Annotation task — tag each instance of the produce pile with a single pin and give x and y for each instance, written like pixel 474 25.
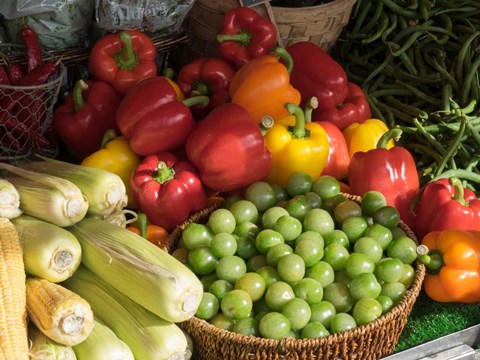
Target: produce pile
pixel 326 190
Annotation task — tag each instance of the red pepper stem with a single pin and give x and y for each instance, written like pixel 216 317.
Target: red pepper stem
pixel 431 259
pixel 142 224
pixel 164 173
pixel 459 191
pixel 200 88
pixel 298 130
pixel 311 105
pixel 243 38
pixel 196 100
pixel 78 89
pixel 284 55
pixel 392 134
pixel 110 134
pixel 168 73
pixel 126 58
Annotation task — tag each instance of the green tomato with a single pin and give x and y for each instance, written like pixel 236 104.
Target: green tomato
pixel 370 247
pixel 276 252
pixel 269 274
pixel 372 201
pixel 365 285
pixel 389 270
pixel 339 295
pixel 274 325
pixel 236 304
pixel 336 255
pixel 298 206
pixel 358 263
pixel 196 235
pixel 223 244
pixel 366 310
pixel 261 194
pixel 331 203
pixel 381 234
pixel 322 272
pixel 394 290
pixel 314 330
pixel 355 227
pixel 222 322
pixel 387 216
pixel 323 313
pixel 267 238
pixel 318 220
pixel 202 260
pixel 337 236
pixel 256 262
pixel 231 268
pixel 281 193
pixel 221 221
pixel 309 290
pixel 209 306
pixel 346 209
pixel 246 326
pixel 299 183
pixel 289 226
pixel 278 294
pixel 220 287
pixel 403 248
pixel 291 268
pixel 315 199
pixel 246 248
pixel 271 215
pixel 385 302
pixel 253 284
pixel 310 235
pixel 326 186
pixel 244 210
pixel 298 313
pixel 311 251
pixel 342 322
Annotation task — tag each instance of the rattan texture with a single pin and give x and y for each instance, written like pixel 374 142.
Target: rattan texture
pixel 320 24
pixel 367 342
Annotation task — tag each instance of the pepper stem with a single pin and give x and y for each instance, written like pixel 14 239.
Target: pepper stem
pixel 311 105
pixel 164 173
pixel 126 58
pixel 243 38
pixel 110 134
pixel 298 130
pixel 78 89
pixel 142 224
pixel 284 55
pixel 202 100
pixel 459 190
pixel 200 88
pixel 266 123
pixel 168 73
pixel 392 134
pixel 431 259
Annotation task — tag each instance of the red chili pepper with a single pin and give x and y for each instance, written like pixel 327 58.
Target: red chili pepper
pixel 15 73
pixel 153 120
pixel 4 79
pixel 87 113
pixel 40 75
pixel 245 34
pixel 392 172
pixel 206 76
pixel 228 149
pixel 123 59
pixel 167 190
pixel 446 205
pixel 354 109
pixel 32 47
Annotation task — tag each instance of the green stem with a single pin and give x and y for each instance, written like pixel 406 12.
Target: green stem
pixel 392 134
pixel 311 105
pixel 126 58
pixel 266 123
pixel 164 173
pixel 168 73
pixel 243 37
pixel 298 130
pixel 78 89
pixel 142 224
pixel 431 259
pixel 284 55
pixel 459 191
pixel 196 100
pixel 110 134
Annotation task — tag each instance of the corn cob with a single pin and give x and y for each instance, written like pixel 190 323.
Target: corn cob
pixel 59 313
pixel 9 200
pixel 13 315
pixel 44 348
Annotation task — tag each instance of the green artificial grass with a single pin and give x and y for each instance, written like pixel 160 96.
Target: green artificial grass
pixel 430 320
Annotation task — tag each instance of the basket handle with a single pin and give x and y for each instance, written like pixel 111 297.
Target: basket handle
pixel 268 9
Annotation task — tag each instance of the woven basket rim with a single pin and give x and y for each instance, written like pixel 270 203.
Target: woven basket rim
pixel 401 310
pixel 331 4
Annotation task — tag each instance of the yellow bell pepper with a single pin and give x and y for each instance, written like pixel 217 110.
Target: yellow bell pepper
pixel 296 145
pixel 115 156
pixel 364 136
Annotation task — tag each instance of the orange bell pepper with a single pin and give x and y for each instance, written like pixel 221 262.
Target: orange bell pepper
pixel 452 259
pixel 262 86
pixel 156 234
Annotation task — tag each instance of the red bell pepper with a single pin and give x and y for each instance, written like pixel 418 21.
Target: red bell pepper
pixel 86 115
pixel 446 205
pixel 244 35
pixel 167 190
pixel 354 109
pixel 338 156
pixel 228 149
pixel 153 120
pixel 122 59
pixel 206 76
pixel 316 74
pixel 392 172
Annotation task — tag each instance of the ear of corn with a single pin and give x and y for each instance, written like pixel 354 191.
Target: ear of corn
pixel 49 251
pixel 147 274
pixel 101 344
pixel 13 315
pixel 148 336
pixel 59 313
pixel 46 197
pixel 44 348
pixel 9 200
pixel 105 191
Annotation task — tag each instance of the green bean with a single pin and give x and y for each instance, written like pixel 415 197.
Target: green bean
pixel 423 8
pixel 438 146
pixel 425 150
pixel 391 91
pixel 397 112
pixel 409 109
pixel 461 56
pixel 374 17
pixel 459 173
pixel 365 8
pixel 453 147
pixel 446 95
pixel 469 78
pixel 379 68
pixel 393 25
pixel 432 61
pixel 381 29
pixel 448 25
pixel 420 94
pixel 412 14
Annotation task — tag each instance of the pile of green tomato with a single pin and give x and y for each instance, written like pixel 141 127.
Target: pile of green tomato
pixel 302 261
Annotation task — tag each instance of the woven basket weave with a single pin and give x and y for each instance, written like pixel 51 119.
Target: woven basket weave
pixel 320 24
pixel 367 342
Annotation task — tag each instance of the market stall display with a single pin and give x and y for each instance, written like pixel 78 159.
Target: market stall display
pixel 284 196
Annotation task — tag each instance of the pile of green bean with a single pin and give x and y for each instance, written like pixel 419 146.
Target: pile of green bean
pixel 418 62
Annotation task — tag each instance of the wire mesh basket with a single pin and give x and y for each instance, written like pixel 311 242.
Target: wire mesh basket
pixel 26 113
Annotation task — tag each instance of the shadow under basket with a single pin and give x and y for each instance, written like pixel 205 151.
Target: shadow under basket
pixel 367 342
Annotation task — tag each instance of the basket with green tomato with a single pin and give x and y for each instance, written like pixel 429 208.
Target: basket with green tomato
pixel 303 271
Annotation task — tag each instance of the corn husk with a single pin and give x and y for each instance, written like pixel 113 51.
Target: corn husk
pixel 9 200
pixel 44 348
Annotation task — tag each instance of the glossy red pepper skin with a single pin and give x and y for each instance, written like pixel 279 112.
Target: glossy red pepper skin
pixel 122 59
pixel 228 149
pixel 338 156
pixel 208 76
pixel 392 172
pixel 152 118
pixel 167 190
pixel 354 109
pixel 316 74
pixel 439 209
pixel 32 48
pixel 256 35
pixel 87 113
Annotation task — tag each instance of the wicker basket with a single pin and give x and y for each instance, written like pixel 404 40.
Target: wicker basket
pixel 320 24
pixel 368 342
